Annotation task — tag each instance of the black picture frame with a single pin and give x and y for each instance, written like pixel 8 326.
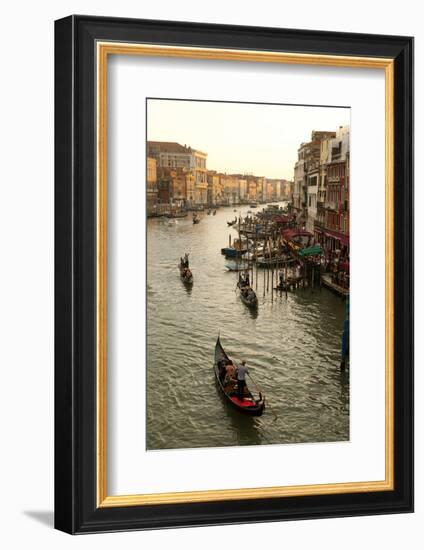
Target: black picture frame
pixel 76 510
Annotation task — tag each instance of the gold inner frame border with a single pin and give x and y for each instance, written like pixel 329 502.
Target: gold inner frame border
pixel 103 50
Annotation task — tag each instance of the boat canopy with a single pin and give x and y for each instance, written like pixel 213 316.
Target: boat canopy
pixel 314 250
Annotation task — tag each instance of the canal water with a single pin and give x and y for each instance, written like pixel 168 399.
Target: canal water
pixel 291 346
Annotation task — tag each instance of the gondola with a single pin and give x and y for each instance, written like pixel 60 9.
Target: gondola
pixel 249 406
pixel 247 294
pixel 185 273
pixel 282 287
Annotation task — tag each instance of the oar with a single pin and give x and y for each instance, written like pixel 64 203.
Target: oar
pixel 259 391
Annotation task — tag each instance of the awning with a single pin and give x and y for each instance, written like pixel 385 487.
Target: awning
pixel 292 233
pixel 282 219
pixel 315 250
pixel 344 239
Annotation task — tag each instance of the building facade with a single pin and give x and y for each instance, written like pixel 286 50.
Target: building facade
pixel 175 156
pixel 214 196
pixel 331 225
pixel 151 186
pixel 307 179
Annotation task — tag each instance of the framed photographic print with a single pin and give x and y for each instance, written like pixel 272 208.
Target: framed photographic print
pixel 234 274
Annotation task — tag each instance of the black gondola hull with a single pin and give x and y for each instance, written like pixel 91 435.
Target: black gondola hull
pixel 254 410
pixel 186 280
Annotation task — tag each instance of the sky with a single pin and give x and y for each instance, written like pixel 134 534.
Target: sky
pixel 240 137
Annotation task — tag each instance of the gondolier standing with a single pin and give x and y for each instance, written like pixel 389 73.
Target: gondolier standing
pixel 241 379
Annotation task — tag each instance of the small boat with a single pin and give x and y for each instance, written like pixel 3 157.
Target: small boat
pixel 185 272
pixel 234 265
pixel 196 219
pixel 181 214
pixel 267 262
pixel 233 222
pixel 247 294
pixel 249 405
pixel 231 252
pixel 253 205
pixel 282 286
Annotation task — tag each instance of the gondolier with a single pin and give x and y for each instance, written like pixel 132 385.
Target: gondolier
pixel 241 380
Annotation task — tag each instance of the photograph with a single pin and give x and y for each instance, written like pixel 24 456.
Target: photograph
pixel 248 273
pixel 233 264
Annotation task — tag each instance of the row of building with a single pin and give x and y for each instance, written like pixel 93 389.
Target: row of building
pixel 178 175
pixel 321 188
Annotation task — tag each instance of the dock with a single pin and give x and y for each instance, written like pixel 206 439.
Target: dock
pixel 327 282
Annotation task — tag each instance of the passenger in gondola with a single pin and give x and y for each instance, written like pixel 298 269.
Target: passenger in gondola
pixel 222 371
pixel 241 380
pixel 230 371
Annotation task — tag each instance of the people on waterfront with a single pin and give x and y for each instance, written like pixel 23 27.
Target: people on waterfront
pixel 241 379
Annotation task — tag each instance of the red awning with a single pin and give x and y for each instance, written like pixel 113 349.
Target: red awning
pixel 292 233
pixel 344 239
pixel 282 219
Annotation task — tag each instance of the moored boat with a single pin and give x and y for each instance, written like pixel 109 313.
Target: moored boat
pixel 231 252
pixel 237 265
pixel 248 405
pixel 181 214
